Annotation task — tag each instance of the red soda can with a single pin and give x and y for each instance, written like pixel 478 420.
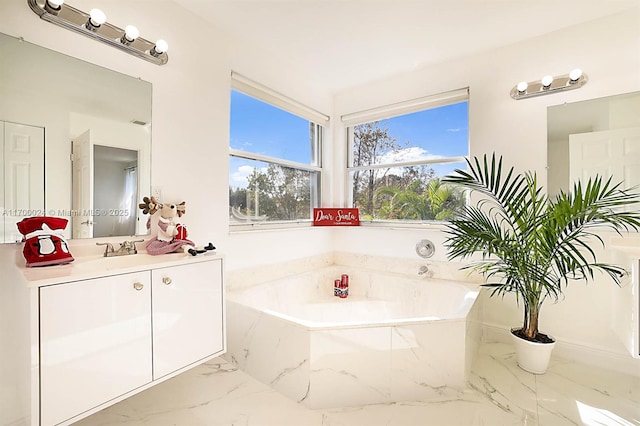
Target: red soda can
pixel 344 285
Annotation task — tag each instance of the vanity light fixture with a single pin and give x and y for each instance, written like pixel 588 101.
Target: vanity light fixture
pixel 522 87
pixel 53 6
pixel 96 19
pixel 131 33
pixel 549 84
pixel 575 75
pixel 160 47
pixel 94 24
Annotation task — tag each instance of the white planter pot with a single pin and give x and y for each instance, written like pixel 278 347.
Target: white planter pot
pixel 533 356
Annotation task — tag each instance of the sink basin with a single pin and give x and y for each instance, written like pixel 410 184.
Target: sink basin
pixel 101 263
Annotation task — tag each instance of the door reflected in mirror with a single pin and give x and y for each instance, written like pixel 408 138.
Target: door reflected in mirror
pixel 21 176
pixel 66 98
pixel 107 156
pixel 597 136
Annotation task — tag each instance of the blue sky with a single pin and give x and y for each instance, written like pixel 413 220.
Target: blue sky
pixel 440 131
pixel 261 128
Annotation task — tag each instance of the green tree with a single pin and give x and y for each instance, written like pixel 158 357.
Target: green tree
pixel 413 193
pixel 238 198
pixel 445 199
pixel 370 142
pixel 281 193
pixel 419 201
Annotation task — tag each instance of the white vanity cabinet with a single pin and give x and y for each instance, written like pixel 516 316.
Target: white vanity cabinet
pixel 100 332
pixel 95 343
pixel 187 325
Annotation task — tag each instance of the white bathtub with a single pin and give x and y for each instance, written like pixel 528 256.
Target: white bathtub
pixel 395 338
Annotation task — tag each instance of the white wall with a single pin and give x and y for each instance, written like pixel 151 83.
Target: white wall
pixel 607 50
pixel 624 113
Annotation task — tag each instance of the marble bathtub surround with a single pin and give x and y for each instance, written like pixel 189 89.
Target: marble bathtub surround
pixel 247 277
pixel 396 338
pixel 441 269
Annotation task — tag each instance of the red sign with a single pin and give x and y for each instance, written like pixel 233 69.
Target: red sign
pixel 336 217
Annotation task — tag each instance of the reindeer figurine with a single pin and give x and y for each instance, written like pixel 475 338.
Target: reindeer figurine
pixel 168 234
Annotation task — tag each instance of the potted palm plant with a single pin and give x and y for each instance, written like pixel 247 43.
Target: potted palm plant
pixel 532 245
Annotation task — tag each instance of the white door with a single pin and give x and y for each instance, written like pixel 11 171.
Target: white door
pixel 23 176
pixel 82 196
pixel 613 153
pixel 187 315
pixel 95 343
pixel 625 318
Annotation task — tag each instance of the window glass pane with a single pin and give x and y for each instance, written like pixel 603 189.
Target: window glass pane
pixel 406 193
pixel 261 191
pixel 424 135
pixel 261 128
pixel 411 153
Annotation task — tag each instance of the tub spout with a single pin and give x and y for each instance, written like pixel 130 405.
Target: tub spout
pixel 423 270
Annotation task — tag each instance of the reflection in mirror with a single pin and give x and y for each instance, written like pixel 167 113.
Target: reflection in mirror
pixel 597 136
pixel 72 100
pixel 116 180
pixel 21 176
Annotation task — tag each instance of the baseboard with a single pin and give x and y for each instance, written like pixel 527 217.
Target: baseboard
pixel 597 357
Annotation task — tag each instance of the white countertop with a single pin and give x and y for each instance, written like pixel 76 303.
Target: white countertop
pixel 95 266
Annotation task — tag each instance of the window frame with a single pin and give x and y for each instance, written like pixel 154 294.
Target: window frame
pixel 318 123
pixel 351 120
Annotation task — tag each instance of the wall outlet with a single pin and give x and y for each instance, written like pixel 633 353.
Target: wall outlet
pixel 156 192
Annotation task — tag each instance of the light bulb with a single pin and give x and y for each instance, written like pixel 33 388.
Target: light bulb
pixel 53 6
pixel 131 32
pixel 575 75
pixel 522 86
pixel 97 17
pixel 546 81
pixel 161 47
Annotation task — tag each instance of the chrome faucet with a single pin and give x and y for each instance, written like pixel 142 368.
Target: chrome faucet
pixel 126 248
pixel 108 250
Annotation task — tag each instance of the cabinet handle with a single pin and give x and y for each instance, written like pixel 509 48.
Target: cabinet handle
pixel 138 286
pixel 166 280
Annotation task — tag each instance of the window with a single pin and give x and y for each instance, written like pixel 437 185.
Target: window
pixel 399 153
pixel 275 165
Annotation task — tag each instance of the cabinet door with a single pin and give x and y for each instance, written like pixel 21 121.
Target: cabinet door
pixel 95 343
pixel 187 315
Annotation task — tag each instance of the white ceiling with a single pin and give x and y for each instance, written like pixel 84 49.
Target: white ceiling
pixel 334 41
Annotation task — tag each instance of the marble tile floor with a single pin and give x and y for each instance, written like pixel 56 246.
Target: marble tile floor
pixel 500 393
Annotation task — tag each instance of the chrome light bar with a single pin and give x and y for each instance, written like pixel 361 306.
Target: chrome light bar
pixel 548 84
pixel 94 25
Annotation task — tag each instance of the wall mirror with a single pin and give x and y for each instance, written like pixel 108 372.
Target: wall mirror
pixel 596 136
pixel 94 130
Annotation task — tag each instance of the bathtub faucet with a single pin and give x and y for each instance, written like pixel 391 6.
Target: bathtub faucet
pixel 423 270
